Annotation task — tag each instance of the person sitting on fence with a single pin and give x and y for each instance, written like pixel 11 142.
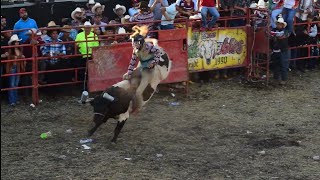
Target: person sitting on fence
pixel 260 14
pixel 168 15
pixel 188 8
pixel 98 10
pixel 280 53
pixel 15 53
pixel 52 48
pixel 276 9
pixel 288 13
pixel 85 41
pixel 88 11
pixel 24 23
pixel 208 6
pixel 155 7
pixel 134 9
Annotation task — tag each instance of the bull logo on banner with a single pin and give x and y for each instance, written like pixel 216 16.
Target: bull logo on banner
pixel 216 49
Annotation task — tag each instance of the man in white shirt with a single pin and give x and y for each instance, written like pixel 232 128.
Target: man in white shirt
pixel 168 15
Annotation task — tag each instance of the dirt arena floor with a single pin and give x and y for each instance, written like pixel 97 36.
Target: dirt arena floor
pixel 221 130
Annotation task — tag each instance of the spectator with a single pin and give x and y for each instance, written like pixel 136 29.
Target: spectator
pixel 98 10
pixel 305 7
pixel 51 50
pixel 14 67
pixel 208 6
pixel 97 22
pixel 119 10
pixel 155 6
pixel 73 32
pixel 145 14
pixel 276 9
pixel 288 13
pixel 5 37
pixel 24 23
pixel 34 38
pixel 280 56
pixel 240 9
pixel 134 9
pixel 187 7
pixel 85 48
pixel 3 23
pixel 88 12
pixel 168 15
pixel 66 29
pixel 312 31
pixel 262 15
pixel 77 16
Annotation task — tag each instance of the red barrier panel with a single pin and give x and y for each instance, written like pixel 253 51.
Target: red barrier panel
pixel 111 62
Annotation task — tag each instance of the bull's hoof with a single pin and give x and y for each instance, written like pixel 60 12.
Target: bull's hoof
pixel 113 141
pixel 90 133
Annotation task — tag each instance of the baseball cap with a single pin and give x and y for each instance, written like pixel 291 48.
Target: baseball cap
pixel 22 10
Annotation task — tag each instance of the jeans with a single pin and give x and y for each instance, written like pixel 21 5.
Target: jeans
pixel 274 15
pixel 288 16
pixel 13 82
pixel 215 16
pixel 280 65
pixel 166 27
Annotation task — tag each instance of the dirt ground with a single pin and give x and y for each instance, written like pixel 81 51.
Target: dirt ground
pixel 219 131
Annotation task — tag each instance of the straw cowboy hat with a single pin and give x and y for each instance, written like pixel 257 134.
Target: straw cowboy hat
pixel 77 10
pixel 281 20
pixel 66 28
pixel 52 24
pixel 13 38
pixel 34 31
pixel 96 6
pixel 118 6
pixel 125 19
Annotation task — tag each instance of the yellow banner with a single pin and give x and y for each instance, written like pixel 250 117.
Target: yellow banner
pixel 216 49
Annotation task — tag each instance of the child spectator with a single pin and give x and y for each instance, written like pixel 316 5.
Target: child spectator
pixel 98 10
pixel 97 22
pixel 134 9
pixel 280 53
pixel 24 23
pixel 205 7
pixel 14 67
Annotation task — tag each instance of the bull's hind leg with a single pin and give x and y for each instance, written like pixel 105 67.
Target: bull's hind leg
pixel 121 121
pixel 117 130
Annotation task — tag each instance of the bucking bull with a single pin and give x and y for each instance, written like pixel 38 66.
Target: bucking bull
pixel 137 87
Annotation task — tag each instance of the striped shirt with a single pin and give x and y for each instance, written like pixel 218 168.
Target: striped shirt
pixel 53 49
pixel 151 49
pixel 142 17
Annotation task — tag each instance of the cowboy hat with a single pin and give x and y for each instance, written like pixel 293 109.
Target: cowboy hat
pixel 87 23
pixel 77 10
pixel 91 2
pixel 34 31
pixel 253 5
pixel 261 4
pixel 13 38
pixel 118 6
pixel 52 24
pixel 281 20
pixel 96 6
pixel 66 28
pixel 125 19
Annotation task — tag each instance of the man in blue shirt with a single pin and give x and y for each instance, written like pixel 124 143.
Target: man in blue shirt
pixel 24 23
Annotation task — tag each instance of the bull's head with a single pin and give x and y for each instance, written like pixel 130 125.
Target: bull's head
pixel 207 51
pixel 101 106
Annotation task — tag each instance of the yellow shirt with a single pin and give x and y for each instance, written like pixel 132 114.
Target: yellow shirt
pixel 93 42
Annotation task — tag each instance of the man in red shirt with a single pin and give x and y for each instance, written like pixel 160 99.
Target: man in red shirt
pixel 205 7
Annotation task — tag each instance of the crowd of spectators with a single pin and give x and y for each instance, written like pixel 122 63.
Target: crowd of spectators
pixel 90 24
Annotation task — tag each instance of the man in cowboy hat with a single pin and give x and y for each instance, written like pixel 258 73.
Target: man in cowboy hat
pixel 280 53
pixel 77 16
pixel 119 10
pixel 98 9
pixel 88 12
pixel 24 23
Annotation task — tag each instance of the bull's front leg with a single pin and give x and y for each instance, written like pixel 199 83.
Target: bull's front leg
pixel 98 121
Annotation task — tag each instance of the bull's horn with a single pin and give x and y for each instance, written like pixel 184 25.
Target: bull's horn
pixel 108 96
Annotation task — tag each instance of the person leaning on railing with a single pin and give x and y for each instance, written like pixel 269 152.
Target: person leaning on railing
pixel 85 41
